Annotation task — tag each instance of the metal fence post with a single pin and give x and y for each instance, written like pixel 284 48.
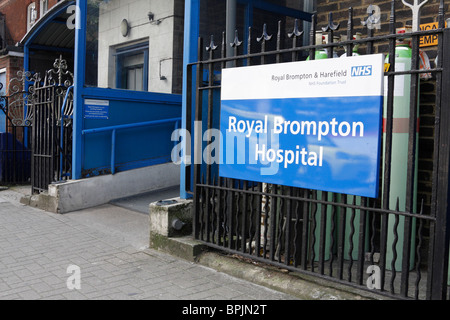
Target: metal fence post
pixel 441 236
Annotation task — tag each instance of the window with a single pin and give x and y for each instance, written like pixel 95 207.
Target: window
pixel 132 67
pixel 44 7
pixel 31 15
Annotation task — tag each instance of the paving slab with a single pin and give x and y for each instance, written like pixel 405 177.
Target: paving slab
pixel 109 246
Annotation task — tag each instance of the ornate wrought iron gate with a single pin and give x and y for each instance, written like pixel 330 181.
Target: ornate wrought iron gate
pixel 37 143
pixel 287 226
pixel 15 141
pixel 52 106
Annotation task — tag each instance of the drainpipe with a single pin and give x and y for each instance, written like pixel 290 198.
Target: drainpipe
pixel 230 27
pixel 308 6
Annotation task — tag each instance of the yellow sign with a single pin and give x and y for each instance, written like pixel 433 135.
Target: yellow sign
pixel 431 40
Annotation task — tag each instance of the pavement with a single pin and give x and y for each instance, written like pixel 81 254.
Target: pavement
pixel 101 253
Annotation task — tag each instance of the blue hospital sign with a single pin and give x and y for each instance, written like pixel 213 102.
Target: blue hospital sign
pixel 311 124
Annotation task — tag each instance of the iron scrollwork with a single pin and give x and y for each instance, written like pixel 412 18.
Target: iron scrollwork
pixel 21 94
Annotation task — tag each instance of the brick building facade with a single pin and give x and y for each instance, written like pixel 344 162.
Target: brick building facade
pixel 16 18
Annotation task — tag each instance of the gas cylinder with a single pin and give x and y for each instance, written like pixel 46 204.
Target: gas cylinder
pixel 357 36
pixel 322 53
pixel 353 217
pixel 399 160
pixel 329 236
pixel 315 225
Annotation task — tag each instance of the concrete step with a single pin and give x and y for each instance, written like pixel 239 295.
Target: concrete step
pixel 182 247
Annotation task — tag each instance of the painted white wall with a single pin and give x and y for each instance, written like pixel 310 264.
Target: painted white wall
pixel 159 37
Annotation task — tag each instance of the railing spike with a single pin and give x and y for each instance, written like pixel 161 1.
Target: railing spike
pixel 331 25
pixel 212 46
pixel 392 18
pixel 224 47
pixel 236 43
pixel 265 36
pixel 296 32
pixel 441 14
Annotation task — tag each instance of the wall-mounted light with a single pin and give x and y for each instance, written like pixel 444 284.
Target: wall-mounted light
pixel 151 18
pixel 124 27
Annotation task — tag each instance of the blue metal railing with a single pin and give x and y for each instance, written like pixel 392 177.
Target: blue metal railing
pixel 115 128
pixel 62 131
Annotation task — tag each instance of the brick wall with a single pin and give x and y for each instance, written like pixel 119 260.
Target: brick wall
pixel 403 13
pixel 427 88
pixel 15 12
pixel 16 17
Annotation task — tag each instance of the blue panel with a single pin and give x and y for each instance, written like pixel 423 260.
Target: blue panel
pixel 135 147
pixel 191 33
pixel 79 76
pixel 2 122
pixel 270 7
pixel 2 117
pixel 320 148
pixel 278 9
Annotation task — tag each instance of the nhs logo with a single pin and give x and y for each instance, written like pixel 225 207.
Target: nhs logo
pixel 361 71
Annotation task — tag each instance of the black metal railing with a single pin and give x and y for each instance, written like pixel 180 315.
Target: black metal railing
pixel 370 244
pixel 15 142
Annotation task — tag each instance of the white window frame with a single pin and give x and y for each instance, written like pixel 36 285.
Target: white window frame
pixel 31 15
pixel 3 90
pixel 123 52
pixel 43 7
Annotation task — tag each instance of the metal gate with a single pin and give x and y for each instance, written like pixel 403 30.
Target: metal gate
pixel 337 237
pixel 15 139
pixel 52 107
pixel 36 147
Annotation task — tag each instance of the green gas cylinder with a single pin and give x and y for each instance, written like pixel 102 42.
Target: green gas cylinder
pixel 353 217
pixel 399 160
pixel 316 217
pixel 322 53
pixel 355 52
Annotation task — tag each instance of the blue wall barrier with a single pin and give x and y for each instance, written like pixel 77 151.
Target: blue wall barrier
pixel 125 130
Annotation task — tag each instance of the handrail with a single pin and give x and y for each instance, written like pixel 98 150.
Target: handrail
pixel 130 125
pixel 113 130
